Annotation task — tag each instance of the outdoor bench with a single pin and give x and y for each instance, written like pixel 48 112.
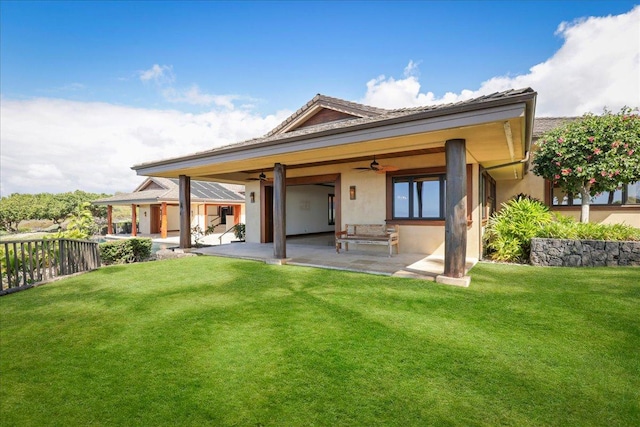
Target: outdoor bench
pixel 368 234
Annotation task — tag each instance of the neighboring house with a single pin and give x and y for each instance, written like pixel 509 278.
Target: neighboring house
pixel 615 207
pixel 155 206
pixel 438 171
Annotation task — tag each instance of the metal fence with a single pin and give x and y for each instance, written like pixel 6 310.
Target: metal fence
pixel 24 263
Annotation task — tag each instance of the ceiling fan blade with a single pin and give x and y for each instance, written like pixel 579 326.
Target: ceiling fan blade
pixel 389 168
pixel 363 168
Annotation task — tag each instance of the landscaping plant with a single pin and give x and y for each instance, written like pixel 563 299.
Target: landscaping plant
pixel 125 251
pixel 509 231
pixel 591 155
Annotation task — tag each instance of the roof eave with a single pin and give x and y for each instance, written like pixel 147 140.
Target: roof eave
pixel 528 98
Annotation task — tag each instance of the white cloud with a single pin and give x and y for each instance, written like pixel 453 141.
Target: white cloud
pixel 159 74
pixel 194 96
pixel 55 145
pixel 598 65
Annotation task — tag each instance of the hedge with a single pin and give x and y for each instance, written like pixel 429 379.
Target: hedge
pixel 125 251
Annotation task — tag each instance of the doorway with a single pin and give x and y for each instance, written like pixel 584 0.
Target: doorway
pixel 313 207
pixel 155 220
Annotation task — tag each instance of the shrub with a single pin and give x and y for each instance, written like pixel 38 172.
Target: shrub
pixel 568 228
pixel 125 251
pixel 509 231
pixel 239 231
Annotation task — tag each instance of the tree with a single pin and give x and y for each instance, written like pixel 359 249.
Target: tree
pixel 591 155
pixel 15 208
pixel 81 224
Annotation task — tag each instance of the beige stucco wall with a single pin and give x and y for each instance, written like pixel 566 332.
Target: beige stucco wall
pixel 531 184
pixel 605 216
pixel 252 212
pixel 369 207
pixel 173 218
pixel 144 222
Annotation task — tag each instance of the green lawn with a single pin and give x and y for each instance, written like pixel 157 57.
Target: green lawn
pixel 211 341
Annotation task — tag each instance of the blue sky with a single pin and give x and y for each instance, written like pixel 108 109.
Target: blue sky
pixel 119 83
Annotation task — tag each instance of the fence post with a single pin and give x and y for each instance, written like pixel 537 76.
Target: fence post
pixel 62 249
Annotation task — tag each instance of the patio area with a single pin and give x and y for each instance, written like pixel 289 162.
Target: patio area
pixel 304 252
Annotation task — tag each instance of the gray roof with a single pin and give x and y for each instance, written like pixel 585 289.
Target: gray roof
pixel 371 117
pixel 201 191
pixel 336 104
pixel 542 125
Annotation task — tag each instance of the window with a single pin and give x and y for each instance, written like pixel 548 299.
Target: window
pixel 625 195
pixel 418 197
pixel 488 196
pixel 332 209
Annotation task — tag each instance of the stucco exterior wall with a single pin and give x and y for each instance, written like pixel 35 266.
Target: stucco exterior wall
pixel 173 218
pixel 369 207
pixel 252 212
pixel 144 221
pixel 531 184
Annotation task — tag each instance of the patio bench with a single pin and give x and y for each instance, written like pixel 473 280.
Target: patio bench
pixel 368 234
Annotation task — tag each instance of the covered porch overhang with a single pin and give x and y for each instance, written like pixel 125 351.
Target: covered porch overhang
pixel 494 134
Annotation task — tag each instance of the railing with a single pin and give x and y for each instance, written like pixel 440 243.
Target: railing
pixel 24 263
pixel 212 225
pixel 229 230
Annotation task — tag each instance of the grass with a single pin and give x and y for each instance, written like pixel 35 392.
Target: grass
pixel 212 341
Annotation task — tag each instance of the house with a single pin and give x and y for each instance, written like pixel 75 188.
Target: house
pixel 155 206
pixel 433 171
pixel 437 172
pixel 621 206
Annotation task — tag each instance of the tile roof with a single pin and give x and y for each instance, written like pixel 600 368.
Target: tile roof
pixel 377 116
pixel 200 191
pixel 337 104
pixel 541 125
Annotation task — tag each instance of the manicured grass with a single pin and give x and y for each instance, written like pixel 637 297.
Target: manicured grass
pixel 211 341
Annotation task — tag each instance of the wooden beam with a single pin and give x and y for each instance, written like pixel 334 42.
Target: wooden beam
pixel 455 235
pixel 109 219
pixel 163 220
pixel 185 211
pixel 279 211
pixel 134 220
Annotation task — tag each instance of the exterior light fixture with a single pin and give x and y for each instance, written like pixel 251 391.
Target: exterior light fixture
pixel 352 192
pixel 252 196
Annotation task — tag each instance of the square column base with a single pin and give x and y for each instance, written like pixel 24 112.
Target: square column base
pixel 462 282
pixel 277 261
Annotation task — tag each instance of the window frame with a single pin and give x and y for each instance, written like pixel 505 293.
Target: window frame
pixel 438 170
pixel 549 187
pixel 488 191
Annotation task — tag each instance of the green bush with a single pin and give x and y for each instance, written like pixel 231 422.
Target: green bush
pixel 239 231
pixel 509 231
pixel 125 251
pixel 567 228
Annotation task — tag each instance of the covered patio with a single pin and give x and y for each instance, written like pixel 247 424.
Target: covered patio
pixel 411 265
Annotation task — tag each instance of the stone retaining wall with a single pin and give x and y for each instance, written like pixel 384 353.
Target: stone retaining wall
pixel 584 253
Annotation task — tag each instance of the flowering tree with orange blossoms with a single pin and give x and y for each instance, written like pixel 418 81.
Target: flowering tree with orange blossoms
pixel 591 155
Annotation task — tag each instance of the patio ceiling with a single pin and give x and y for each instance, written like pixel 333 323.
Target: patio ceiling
pixel 496 133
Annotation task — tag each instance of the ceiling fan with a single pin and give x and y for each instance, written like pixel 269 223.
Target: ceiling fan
pixel 261 177
pixel 378 168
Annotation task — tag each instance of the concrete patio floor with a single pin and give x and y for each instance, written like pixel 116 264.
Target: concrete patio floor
pixel 362 260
